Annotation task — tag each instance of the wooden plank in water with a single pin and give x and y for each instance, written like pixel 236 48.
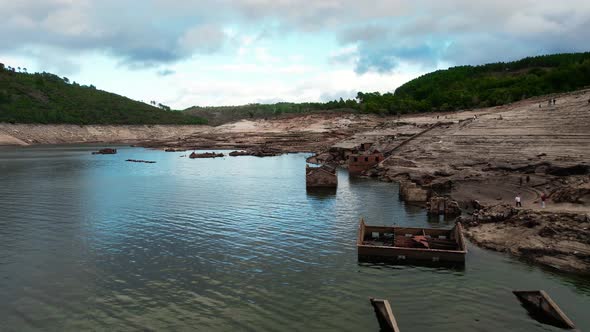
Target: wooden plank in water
pixel 384 315
pixel 543 308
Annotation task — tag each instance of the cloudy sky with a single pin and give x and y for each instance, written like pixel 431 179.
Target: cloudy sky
pixel 223 52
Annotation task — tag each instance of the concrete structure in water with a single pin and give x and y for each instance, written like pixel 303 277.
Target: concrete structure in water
pixel 320 177
pixel 411 245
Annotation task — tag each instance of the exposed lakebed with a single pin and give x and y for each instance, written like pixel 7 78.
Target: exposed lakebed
pixel 94 242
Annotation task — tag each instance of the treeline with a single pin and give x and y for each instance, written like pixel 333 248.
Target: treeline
pixel 222 114
pixel 483 86
pixel 456 88
pixel 47 98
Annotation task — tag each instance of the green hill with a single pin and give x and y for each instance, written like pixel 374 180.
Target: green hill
pixel 486 85
pixel 452 89
pixel 47 98
pixel 222 114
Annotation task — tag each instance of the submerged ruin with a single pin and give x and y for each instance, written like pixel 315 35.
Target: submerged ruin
pixel 106 151
pixel 321 177
pixel 195 155
pixel 363 158
pixel 415 245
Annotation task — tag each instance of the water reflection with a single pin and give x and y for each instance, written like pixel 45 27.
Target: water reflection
pixel 321 193
pixel 95 243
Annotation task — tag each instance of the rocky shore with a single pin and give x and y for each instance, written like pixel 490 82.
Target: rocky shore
pixel 559 240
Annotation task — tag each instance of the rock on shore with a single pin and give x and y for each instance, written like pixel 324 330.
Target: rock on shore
pixel 561 241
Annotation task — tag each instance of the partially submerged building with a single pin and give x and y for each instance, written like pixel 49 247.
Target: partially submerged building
pixel 320 177
pixel 364 160
pixel 342 150
pixel 415 245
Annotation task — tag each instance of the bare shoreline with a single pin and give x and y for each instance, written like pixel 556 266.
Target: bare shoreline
pixel 474 156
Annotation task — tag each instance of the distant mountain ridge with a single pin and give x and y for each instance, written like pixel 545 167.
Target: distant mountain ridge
pixel 48 98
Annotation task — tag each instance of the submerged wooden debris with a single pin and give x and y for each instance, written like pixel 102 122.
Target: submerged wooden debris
pixel 543 308
pixel 320 177
pixel 404 244
pixel 105 151
pixel 384 314
pixel 140 161
pixel 205 155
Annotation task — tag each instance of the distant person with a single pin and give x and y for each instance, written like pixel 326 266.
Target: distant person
pixel 520 181
pixel 528 179
pixel 517 200
pixel 549 102
pixel 588 101
pixel 543 199
pixel 439 115
pixel 554 101
pixel 540 106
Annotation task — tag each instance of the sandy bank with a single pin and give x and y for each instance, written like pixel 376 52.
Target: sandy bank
pixel 25 134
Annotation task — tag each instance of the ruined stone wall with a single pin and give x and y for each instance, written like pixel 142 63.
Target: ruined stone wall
pixel 361 163
pixel 318 178
pixel 410 192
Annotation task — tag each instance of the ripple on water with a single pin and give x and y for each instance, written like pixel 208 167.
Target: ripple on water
pixel 92 242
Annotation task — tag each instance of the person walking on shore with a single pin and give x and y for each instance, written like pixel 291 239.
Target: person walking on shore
pixel 543 199
pixel 517 200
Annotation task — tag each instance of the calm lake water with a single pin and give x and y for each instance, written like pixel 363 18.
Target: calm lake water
pixel 96 243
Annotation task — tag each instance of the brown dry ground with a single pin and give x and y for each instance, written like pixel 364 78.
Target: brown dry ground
pixel 451 154
pixel 484 159
pixel 296 133
pixel 27 134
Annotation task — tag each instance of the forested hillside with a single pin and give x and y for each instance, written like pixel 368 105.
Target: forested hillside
pixel 486 85
pixel 452 89
pixel 222 114
pixel 47 98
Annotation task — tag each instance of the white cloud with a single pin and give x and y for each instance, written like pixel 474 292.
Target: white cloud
pixel 205 38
